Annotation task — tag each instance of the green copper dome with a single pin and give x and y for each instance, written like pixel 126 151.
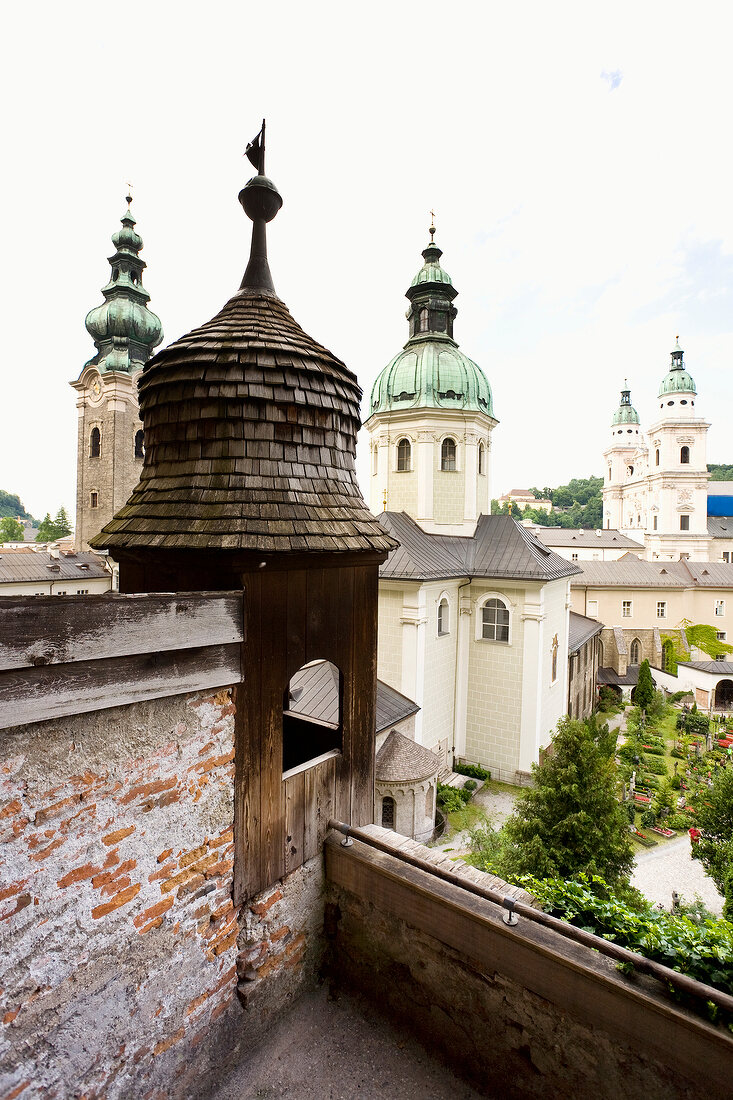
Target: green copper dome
pixel 625 413
pixel 431 372
pixel 677 380
pixel 124 330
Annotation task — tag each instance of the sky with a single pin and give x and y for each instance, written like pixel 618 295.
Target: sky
pixel 577 157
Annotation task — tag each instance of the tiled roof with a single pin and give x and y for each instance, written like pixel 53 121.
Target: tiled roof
pixel 603 539
pixel 401 760
pixel 717 668
pixel 632 573
pixel 34 566
pixel 250 435
pixel 581 631
pixel 392 706
pixel 500 548
pixel 720 527
pixel 608 676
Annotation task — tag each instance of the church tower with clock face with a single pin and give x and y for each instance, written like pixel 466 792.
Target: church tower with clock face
pixel 110 437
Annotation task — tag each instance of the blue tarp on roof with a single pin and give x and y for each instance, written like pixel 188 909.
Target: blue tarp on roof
pixel 720 505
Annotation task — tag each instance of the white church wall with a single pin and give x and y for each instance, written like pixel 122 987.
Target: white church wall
pixel 556 599
pixel 439 690
pixel 389 637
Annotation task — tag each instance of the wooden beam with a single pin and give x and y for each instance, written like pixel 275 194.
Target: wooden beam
pixel 53 630
pixel 37 694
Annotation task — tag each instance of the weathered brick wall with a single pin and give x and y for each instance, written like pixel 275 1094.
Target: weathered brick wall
pixel 118 927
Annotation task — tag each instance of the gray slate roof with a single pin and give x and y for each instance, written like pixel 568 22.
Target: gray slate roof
pixel 718 668
pixel 314 694
pixel 582 629
pixel 500 548
pixel 605 539
pixel 392 706
pixel 720 527
pixel 401 760
pixel 632 573
pixel 609 676
pixel 34 566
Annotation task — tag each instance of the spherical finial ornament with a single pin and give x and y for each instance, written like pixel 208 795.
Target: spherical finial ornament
pixel 260 199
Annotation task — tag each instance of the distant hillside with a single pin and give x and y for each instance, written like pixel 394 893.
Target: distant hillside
pixel 720 473
pixel 10 505
pixel 577 504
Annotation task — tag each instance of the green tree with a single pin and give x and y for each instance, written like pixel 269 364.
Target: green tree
pixel 10 505
pixel 645 687
pixel 46 531
pixel 61 523
pixel 10 530
pixel 714 849
pixel 570 821
pixel 720 472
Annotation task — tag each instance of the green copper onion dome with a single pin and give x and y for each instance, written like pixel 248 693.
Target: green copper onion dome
pixel 124 330
pixel 431 371
pixel 677 380
pixel 625 413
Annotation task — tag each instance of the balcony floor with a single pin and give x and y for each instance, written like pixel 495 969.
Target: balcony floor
pixel 340 1050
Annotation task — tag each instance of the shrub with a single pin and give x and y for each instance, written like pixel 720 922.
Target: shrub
pixel 653 748
pixel 656 767
pixel 677 821
pixel 450 798
pixel 675 782
pixel 470 785
pixel 649 780
pixel 474 770
pixel 631 812
pixel 648 817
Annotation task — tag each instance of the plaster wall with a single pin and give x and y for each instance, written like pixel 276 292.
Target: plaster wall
pixel 438 699
pixel 695 604
pixel 59 588
pixel 390 638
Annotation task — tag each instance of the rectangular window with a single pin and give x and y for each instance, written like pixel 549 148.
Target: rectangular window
pixel 626 609
pixel 726 556
pixel 720 608
pixel 573 557
pixel 82 591
pixel 94 500
pixel 654 523
pixel 592 609
pixel 721 635
pixel 684 523
pixel 661 609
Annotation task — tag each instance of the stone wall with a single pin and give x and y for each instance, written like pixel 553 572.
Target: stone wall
pixel 120 941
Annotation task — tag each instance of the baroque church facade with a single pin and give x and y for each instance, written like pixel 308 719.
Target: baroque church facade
pixel 110 445
pixel 473 609
pixel 656 483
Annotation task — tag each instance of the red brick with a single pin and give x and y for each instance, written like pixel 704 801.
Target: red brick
pixel 14 888
pixel 222 909
pixel 295 943
pixel 223 868
pixel 119 834
pixel 164 872
pixel 115 885
pixel 291 962
pixel 56 809
pixel 269 965
pixel 166 1044
pixel 10 1016
pixel 214 762
pixel 219 1009
pixel 88 870
pixel 106 877
pixel 11 808
pixel 164 855
pixel 206 748
pixel 16 1091
pixel 47 851
pixel 156 787
pixel 153 911
pixel 178 880
pixel 191 857
pixel 121 899
pixel 263 907
pixel 275 936
pixel 166 799
pixel 191 885
pixel 220 946
pixel 225 838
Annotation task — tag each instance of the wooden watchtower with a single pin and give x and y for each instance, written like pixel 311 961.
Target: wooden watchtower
pixel 249 483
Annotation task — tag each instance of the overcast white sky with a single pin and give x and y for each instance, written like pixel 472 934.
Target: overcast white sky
pixel 578 158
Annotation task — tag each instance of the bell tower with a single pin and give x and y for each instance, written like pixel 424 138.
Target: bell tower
pixel 621 462
pixel 110 437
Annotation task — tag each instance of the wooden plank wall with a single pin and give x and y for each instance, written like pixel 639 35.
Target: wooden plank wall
pixel 294 617
pixel 62 655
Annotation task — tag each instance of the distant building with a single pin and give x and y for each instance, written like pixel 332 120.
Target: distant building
pixel 524 499
pixel 584 660
pixel 110 436
pixel 579 545
pixel 31 571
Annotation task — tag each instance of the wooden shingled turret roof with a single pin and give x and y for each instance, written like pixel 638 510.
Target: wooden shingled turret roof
pixel 250 431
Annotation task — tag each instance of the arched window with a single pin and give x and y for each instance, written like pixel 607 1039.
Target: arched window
pixel 404 454
pixel 95 443
pixel 635 652
pixel 311 716
pixel 139 445
pixel 388 812
pixel 481 458
pixel 443 617
pixel 423 320
pixel 448 454
pixel 657 456
pixel 375 459
pixel 685 456
pixel 668 663
pixel 555 648
pixel 495 621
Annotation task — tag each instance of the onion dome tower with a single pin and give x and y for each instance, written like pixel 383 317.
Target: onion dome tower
pixel 249 483
pixel 677 381
pixel 621 461
pixel 110 437
pixel 431 416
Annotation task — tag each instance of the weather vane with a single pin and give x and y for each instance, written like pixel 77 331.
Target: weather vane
pixel 129 192
pixel 432 226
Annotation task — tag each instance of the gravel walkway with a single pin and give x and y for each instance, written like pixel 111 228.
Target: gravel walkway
pixel 670 867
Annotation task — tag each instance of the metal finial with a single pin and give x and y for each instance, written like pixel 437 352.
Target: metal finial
pixel 128 197
pixel 261 201
pixel 432 227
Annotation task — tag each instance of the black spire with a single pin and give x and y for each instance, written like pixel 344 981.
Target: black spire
pixel 261 201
